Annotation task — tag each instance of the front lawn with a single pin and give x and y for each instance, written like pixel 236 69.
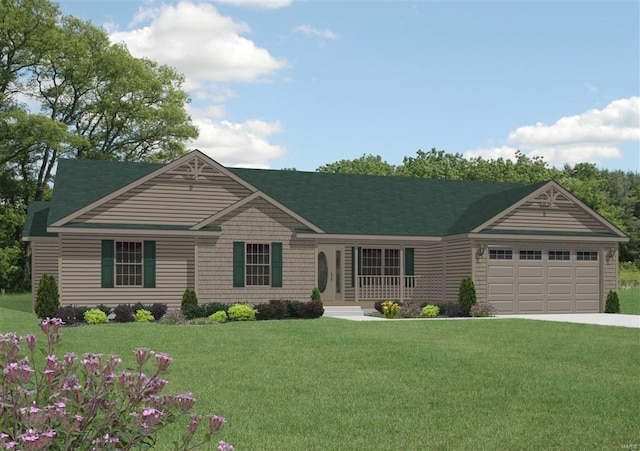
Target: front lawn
pixel 629 300
pixel 441 384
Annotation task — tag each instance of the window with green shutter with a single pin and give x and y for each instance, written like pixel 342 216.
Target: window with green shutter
pixel 149 264
pixel 238 263
pixel 276 264
pixel 409 269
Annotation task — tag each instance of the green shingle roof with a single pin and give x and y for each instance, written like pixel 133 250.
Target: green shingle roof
pixel 37 220
pixel 336 203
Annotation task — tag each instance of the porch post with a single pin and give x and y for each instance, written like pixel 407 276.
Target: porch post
pixel 402 274
pixel 356 276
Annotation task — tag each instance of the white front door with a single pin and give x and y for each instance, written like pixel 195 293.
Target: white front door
pixel 330 275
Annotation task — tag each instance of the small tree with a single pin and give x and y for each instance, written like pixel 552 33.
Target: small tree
pixel 47 297
pixel 188 298
pixel 315 294
pixel 467 295
pixel 613 303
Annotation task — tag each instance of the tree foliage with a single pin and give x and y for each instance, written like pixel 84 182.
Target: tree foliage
pixel 67 91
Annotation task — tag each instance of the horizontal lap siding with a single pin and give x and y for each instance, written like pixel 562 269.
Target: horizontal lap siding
pixel 81 272
pixel 568 217
pixel 169 199
pixel 256 222
pixel 44 259
pixel 480 274
pixel 430 270
pixel 457 262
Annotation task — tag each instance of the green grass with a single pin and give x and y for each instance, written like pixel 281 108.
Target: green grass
pixel 333 384
pixel 629 300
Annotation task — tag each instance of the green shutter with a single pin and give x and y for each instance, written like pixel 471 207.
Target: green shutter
pixel 353 264
pixel 238 263
pixel 107 264
pixel 409 269
pixel 276 264
pixel 149 264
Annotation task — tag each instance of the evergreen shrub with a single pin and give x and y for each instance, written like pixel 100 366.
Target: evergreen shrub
pixel 467 295
pixel 47 297
pixel 613 303
pixel 189 297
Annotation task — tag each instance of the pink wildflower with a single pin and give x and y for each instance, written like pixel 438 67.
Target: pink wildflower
pixel 163 361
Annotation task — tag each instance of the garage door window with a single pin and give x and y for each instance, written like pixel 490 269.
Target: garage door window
pixel 530 255
pixel 559 255
pixel 587 256
pixel 500 254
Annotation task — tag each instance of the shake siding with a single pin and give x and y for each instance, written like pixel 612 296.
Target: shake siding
pixel 256 222
pixel 169 199
pixel 81 263
pixel 566 217
pixel 44 259
pixel 457 263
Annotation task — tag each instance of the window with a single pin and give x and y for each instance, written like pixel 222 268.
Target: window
pixel 258 264
pixel 587 256
pixel 530 255
pixel 559 255
pixel 381 262
pixel 128 263
pixel 500 254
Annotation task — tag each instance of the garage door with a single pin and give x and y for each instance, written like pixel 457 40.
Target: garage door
pixel 544 281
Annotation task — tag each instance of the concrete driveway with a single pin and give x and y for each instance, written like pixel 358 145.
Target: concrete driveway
pixel 601 319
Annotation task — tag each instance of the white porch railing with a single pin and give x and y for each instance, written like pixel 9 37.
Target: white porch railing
pixel 386 288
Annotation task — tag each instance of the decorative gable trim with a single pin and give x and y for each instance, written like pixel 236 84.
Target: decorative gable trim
pixel 550 196
pixel 249 198
pixel 195 164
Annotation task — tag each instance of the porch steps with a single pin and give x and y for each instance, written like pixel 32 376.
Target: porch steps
pixel 342 311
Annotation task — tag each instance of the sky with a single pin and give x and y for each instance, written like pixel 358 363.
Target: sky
pixel 286 83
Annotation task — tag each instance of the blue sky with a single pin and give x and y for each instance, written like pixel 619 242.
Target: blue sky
pixel 300 84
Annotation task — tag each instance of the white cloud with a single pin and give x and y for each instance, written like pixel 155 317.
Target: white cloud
pixel 310 31
pixel 238 144
pixel 200 43
pixel 211 51
pixel 266 4
pixel 592 136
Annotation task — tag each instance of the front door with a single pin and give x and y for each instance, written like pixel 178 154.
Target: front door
pixel 330 274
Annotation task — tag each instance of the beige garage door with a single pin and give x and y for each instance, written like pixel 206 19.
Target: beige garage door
pixel 530 280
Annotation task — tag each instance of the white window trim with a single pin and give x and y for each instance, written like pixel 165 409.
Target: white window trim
pixel 116 264
pixel 247 264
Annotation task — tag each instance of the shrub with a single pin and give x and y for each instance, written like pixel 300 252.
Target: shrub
pixel 173 317
pixel 47 297
pixel 213 307
pixel 95 316
pixel 612 304
pixel 315 294
pixel 311 309
pixel 191 311
pixel 483 309
pixel 378 306
pixel 158 311
pixel 104 308
pixel 143 316
pixel 140 306
pixel 124 313
pixel 242 312
pixel 390 309
pixel 87 403
pixel 274 309
pixel 80 311
pixel 67 314
pixel 467 295
pixel 293 309
pixel 189 298
pixel 410 309
pixel 219 317
pixel 430 311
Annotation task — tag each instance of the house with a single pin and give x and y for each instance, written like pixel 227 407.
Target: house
pixel 118 232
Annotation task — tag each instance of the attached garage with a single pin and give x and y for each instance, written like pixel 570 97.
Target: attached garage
pixel 553 279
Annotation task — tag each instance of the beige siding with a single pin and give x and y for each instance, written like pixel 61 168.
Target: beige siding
pixel 566 216
pixel 457 263
pixel 44 259
pixel 256 222
pixel 349 290
pixel 81 272
pixel 169 199
pixel 480 275
pixel 609 273
pixel 430 270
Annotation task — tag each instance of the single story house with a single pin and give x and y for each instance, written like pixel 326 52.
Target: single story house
pixel 121 232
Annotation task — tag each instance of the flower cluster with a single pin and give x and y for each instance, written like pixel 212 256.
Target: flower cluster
pixel 74 403
pixel 390 309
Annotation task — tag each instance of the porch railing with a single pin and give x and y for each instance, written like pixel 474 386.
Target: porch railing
pixel 386 288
